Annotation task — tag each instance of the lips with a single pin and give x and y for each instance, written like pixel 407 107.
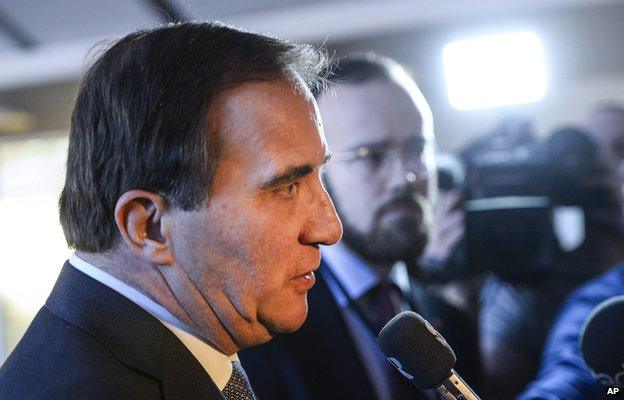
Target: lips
pixel 402 209
pixel 304 282
pixel 412 207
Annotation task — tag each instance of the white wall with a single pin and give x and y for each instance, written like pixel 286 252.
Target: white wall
pixel 584 57
pixel 566 104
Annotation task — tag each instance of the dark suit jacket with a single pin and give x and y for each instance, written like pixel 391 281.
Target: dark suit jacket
pixel 90 342
pixel 321 362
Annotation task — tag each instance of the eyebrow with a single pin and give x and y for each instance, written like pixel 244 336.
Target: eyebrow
pixel 380 143
pixel 292 174
pixel 384 143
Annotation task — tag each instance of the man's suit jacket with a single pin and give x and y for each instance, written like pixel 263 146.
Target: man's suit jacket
pixel 90 342
pixel 321 362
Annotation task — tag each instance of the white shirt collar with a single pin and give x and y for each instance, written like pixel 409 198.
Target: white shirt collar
pixel 216 364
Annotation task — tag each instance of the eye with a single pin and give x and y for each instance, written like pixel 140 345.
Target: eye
pixel 414 150
pixel 289 191
pixel 375 158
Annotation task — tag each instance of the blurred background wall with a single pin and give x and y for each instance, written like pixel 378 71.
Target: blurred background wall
pixel 45 44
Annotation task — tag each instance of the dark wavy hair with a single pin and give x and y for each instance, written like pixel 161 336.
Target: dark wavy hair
pixel 140 118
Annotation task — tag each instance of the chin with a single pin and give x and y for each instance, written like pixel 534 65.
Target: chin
pixel 408 223
pixel 289 318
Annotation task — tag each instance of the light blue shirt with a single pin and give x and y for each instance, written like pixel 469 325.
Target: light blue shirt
pixel 357 277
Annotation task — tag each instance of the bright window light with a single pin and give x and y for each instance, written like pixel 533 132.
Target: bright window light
pixel 494 71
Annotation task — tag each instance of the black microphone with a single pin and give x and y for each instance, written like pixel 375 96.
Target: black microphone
pixel 602 343
pixel 422 355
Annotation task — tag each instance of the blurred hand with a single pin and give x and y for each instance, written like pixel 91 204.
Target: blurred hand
pixel 448 226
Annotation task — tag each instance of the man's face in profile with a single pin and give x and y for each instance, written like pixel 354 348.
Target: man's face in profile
pixel 250 252
pixel 379 176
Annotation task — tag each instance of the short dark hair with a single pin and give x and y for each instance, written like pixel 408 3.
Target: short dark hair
pixel 139 120
pixel 359 68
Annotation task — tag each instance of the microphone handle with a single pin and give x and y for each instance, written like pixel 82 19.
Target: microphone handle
pixel 454 388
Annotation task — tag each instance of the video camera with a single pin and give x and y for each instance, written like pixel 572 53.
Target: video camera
pixel 514 195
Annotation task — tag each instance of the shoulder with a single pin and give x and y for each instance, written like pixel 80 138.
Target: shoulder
pixel 454 325
pixel 581 301
pixel 578 306
pixel 563 370
pixel 434 307
pixel 56 359
pixel 610 283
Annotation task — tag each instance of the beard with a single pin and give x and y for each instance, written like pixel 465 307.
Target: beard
pixel 402 239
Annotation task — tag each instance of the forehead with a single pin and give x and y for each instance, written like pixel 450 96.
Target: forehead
pixel 373 111
pixel 264 126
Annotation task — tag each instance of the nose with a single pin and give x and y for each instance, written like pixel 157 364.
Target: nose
pixel 323 225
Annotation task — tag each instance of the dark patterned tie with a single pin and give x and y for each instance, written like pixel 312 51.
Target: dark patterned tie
pixel 238 387
pixel 379 305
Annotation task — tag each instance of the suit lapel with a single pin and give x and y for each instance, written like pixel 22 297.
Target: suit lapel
pixel 136 338
pixel 330 366
pixel 182 375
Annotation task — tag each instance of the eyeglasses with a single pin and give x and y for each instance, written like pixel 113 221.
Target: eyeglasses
pixel 378 157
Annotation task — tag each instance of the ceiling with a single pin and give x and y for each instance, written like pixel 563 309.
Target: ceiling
pixel 35 23
pixel 44 43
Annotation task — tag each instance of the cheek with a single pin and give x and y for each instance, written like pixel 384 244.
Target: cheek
pixel 265 250
pixel 215 248
pixel 274 243
pixel 357 199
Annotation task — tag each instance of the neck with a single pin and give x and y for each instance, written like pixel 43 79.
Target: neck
pixel 150 280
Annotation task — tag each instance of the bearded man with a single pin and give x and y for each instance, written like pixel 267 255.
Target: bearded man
pixel 382 181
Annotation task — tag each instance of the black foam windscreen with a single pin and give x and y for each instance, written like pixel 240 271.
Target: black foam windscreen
pixel 417 350
pixel 601 342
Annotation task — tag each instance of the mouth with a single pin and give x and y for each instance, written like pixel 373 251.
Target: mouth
pixel 402 210
pixel 304 282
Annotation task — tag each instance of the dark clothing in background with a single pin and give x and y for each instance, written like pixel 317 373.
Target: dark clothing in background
pixel 321 361
pixel 563 374
pixel 90 342
pixel 519 315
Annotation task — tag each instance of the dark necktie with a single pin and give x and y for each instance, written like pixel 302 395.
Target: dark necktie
pixel 238 387
pixel 379 305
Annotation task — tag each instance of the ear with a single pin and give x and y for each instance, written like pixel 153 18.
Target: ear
pixel 138 214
